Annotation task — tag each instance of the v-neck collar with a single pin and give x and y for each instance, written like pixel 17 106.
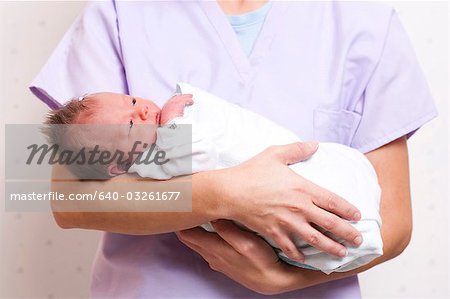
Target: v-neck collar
pixel 245 66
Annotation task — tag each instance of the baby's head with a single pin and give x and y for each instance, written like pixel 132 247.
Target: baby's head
pixel 105 122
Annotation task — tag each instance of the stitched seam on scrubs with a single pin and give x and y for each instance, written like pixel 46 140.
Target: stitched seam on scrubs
pixel 411 126
pixel 381 54
pixel 119 42
pixel 224 43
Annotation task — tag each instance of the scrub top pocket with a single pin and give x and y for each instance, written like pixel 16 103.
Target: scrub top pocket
pixel 335 125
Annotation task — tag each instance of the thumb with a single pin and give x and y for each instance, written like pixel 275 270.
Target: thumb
pixel 296 152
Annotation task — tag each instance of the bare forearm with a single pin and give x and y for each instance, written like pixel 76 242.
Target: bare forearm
pixel 130 221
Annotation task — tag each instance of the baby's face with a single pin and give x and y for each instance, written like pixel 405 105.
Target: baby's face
pixel 123 121
pixel 117 108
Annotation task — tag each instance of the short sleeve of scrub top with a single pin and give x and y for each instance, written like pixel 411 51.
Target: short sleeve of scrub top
pixel 396 100
pixel 327 70
pixel 87 59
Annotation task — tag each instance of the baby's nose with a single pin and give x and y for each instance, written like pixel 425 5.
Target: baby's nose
pixel 143 112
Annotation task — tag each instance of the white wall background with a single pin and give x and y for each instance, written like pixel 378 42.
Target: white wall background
pixel 39 260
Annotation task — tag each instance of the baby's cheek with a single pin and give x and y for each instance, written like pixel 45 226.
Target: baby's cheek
pixel 155 115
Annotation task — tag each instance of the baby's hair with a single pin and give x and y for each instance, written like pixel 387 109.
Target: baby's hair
pixel 71 112
pixel 57 129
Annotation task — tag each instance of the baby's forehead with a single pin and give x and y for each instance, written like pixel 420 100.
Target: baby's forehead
pixel 106 97
pixel 103 101
pixel 103 107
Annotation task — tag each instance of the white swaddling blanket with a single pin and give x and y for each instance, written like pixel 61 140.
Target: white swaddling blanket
pixel 224 135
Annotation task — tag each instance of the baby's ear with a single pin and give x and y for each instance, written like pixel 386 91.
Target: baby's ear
pixel 115 170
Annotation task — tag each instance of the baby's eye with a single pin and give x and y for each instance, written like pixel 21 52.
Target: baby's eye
pixel 131 123
pixel 133 101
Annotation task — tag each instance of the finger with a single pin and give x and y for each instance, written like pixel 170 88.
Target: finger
pixel 332 202
pixel 337 226
pixel 200 250
pixel 287 246
pixel 318 240
pixel 200 237
pixel 175 107
pixel 210 246
pixel 187 99
pixel 237 238
pixel 294 152
pixel 178 99
pixel 183 99
pixel 244 242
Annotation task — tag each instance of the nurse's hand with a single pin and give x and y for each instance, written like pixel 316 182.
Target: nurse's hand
pixel 268 197
pixel 241 255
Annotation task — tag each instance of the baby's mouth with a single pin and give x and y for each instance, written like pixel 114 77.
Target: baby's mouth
pixel 157 118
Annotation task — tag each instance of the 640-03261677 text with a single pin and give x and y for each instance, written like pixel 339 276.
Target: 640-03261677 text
pixel 97 195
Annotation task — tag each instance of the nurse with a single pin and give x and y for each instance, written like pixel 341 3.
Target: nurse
pixel 331 71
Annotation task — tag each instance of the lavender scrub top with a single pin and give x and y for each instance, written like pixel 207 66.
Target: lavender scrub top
pixel 332 71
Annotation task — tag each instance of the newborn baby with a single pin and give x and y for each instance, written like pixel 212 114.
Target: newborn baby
pixel 200 132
